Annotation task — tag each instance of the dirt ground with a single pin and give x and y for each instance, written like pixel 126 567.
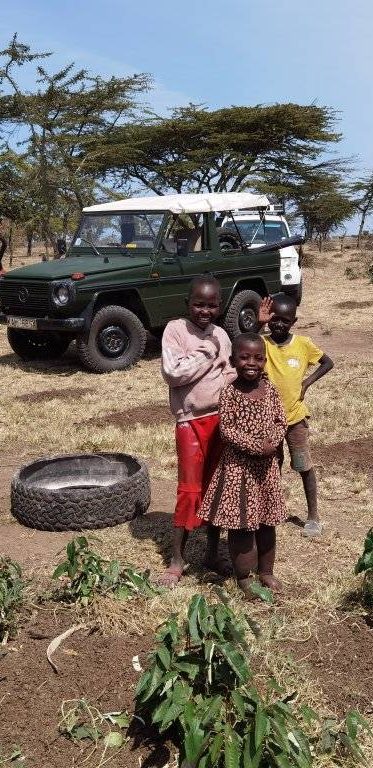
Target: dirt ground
pixel 310 641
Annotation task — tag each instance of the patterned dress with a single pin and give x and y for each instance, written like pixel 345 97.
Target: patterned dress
pixel 245 490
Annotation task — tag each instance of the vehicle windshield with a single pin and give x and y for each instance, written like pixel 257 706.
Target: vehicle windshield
pixel 265 231
pixel 135 230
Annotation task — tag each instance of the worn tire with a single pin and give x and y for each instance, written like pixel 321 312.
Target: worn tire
pixel 79 508
pixel 227 239
pixel 93 356
pixel 242 313
pixel 37 345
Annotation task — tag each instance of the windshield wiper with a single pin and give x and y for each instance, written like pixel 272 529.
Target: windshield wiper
pixel 94 249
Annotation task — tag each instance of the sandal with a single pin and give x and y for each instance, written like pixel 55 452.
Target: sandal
pixel 312 529
pixel 171 577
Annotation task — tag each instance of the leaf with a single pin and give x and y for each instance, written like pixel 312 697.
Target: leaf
pixel 85 732
pixel 113 739
pixel 309 714
pixel 232 748
pixel 164 657
pixel 60 570
pixel 263 593
pixel 193 625
pixel 56 642
pixel 261 727
pixel 239 703
pixel 71 551
pixel 216 748
pixel 235 660
pixel 194 742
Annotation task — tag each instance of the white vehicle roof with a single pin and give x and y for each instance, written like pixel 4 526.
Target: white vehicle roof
pixel 203 203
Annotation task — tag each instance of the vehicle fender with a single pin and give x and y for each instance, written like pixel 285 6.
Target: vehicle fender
pixel 87 314
pixel 246 284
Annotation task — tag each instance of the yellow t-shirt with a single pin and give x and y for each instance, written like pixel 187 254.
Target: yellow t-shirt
pixel 286 367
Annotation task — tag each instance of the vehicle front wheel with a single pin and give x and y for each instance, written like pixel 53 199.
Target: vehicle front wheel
pixel 37 345
pixel 117 340
pixel 242 313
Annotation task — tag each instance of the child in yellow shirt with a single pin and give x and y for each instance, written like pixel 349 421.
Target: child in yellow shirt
pixel 288 359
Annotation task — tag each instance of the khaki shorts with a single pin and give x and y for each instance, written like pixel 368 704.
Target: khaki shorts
pixel 297 438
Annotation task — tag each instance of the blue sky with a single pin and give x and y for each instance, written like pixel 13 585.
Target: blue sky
pixel 219 53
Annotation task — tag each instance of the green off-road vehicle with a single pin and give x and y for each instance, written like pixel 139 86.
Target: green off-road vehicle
pixel 127 272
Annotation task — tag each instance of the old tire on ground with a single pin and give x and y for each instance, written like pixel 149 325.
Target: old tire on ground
pixel 37 345
pixel 77 492
pixel 242 313
pixel 117 340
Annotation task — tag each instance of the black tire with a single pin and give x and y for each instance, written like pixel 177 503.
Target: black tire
pixel 228 240
pixel 36 504
pixel 242 313
pixel 117 340
pixel 37 345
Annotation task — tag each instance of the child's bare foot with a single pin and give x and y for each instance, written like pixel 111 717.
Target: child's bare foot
pixel 312 528
pixel 270 581
pixel 171 576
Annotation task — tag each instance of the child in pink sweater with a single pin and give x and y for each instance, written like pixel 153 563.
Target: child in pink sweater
pixel 195 365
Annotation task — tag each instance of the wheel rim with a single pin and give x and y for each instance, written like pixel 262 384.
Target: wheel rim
pixel 113 341
pixel 246 319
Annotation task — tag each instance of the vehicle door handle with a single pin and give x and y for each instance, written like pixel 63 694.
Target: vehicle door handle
pixel 168 260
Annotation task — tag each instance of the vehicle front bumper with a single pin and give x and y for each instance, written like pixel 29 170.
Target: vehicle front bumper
pixel 68 325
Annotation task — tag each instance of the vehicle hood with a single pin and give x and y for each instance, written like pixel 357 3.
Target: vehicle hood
pixel 63 268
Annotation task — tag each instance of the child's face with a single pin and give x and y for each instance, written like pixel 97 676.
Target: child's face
pixel 281 322
pixel 249 360
pixel 204 305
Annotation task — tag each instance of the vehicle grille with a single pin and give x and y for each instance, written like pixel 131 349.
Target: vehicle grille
pixel 35 303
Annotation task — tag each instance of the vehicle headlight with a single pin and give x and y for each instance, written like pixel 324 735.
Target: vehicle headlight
pixel 63 293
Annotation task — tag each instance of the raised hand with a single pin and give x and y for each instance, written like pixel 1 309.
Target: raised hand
pixel 265 310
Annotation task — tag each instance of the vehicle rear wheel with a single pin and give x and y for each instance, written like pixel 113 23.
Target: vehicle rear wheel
pixel 37 345
pixel 117 340
pixel 242 313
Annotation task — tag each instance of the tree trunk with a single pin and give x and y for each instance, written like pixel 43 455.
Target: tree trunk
pixel 362 222
pixel 29 236
pixel 10 245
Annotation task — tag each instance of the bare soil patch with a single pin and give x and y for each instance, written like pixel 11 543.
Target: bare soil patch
pixel 354 454
pixel 91 666
pixel 339 656
pixel 147 417
pixel 354 304
pixel 54 394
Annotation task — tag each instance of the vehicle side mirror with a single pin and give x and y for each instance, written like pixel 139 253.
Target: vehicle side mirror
pixel 182 247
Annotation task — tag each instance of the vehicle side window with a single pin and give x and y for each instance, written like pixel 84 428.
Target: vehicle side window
pixel 185 227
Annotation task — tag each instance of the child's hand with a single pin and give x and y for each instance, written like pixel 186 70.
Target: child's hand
pixel 265 310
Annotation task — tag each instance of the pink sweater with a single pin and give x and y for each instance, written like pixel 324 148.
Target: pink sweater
pixel 195 368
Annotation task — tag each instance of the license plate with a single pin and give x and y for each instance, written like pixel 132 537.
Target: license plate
pixel 22 322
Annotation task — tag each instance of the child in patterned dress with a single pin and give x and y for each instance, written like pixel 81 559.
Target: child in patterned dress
pixel 245 494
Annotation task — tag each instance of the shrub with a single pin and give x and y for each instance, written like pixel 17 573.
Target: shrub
pixel 87 573
pixel 200 683
pixel 365 565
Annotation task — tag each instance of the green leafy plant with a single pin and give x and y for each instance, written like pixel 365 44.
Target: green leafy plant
pixel 82 721
pixel 199 683
pixel 11 595
pixel 86 573
pixel 365 565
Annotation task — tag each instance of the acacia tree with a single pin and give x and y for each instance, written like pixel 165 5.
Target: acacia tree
pixel 61 121
pixel 222 150
pixel 364 201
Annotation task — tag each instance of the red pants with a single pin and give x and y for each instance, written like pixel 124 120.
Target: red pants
pixel 198 449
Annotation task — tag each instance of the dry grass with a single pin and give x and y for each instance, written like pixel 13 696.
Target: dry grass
pixel 316 575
